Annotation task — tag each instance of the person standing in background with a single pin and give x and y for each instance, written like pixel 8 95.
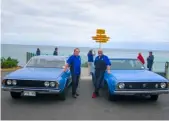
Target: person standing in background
pixel 74 62
pixel 150 61
pixel 55 51
pixel 140 58
pixel 38 52
pixel 90 56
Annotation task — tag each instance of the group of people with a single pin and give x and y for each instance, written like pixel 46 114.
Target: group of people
pixel 55 52
pixel 150 60
pixel 101 63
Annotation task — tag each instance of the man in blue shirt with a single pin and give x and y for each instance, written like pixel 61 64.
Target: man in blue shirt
pixel 102 63
pixel 90 56
pixel 74 62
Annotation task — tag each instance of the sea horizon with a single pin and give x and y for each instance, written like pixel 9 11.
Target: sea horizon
pixel 19 52
pixel 112 48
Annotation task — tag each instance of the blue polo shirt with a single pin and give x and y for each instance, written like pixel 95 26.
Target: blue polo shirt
pixel 90 57
pixel 75 64
pixel 103 58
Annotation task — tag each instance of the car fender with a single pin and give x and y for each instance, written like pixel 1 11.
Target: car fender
pixel 64 78
pixel 111 82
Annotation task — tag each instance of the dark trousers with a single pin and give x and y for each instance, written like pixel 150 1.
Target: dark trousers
pixel 150 67
pixel 75 82
pixel 99 79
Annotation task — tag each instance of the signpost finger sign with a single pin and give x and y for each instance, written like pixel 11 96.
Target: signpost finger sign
pixel 100 37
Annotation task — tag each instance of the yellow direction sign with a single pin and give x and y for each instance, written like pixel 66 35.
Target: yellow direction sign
pixel 100 38
pixel 101 35
pixel 101 41
pixel 100 31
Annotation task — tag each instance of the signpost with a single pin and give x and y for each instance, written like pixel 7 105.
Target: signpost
pixel 100 37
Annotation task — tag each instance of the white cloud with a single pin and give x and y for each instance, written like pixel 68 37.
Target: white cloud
pixel 73 22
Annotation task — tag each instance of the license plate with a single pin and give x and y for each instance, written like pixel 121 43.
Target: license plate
pixel 29 93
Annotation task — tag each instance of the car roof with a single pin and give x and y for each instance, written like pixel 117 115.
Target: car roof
pixel 122 58
pixel 50 57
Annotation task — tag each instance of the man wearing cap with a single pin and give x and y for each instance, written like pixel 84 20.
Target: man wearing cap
pixel 150 61
pixel 74 62
pixel 102 63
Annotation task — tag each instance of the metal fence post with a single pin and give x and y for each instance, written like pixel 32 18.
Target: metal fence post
pixel 167 70
pixel 27 56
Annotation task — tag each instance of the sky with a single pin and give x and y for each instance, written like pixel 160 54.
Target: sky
pixel 134 24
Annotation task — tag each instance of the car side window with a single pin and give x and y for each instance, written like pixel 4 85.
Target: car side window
pixel 32 62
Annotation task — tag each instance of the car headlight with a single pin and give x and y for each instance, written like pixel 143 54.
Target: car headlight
pixel 52 84
pixel 163 85
pixel 9 82
pixel 14 82
pixel 46 84
pixel 121 85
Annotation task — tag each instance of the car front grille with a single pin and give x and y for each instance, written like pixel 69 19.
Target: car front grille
pixel 143 85
pixel 30 83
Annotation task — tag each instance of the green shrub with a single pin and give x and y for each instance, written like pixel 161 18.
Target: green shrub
pixel 85 64
pixel 9 62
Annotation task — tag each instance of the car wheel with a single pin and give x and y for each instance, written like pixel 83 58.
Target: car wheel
pixel 109 95
pixel 112 97
pixel 153 97
pixel 62 96
pixel 15 95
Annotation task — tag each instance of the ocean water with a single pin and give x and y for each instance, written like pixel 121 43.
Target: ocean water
pixel 19 52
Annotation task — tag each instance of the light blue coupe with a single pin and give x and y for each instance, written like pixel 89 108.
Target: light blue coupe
pixel 41 75
pixel 130 77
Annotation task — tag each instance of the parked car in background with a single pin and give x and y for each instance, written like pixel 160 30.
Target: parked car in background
pixel 129 77
pixel 41 75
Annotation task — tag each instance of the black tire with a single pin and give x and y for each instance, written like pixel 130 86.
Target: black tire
pixel 112 97
pixel 153 97
pixel 109 95
pixel 15 95
pixel 62 96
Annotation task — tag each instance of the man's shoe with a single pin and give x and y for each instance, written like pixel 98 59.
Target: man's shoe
pixel 74 96
pixel 94 95
pixel 77 94
pixel 97 94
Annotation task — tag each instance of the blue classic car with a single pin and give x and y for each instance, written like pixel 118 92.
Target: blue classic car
pixel 41 75
pixel 130 77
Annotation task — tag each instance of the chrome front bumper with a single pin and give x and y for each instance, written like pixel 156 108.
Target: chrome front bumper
pixel 129 92
pixel 37 90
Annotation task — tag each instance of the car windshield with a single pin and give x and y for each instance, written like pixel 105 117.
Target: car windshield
pixel 45 63
pixel 126 64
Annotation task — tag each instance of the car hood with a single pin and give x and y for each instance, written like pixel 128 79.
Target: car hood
pixel 137 75
pixel 35 74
